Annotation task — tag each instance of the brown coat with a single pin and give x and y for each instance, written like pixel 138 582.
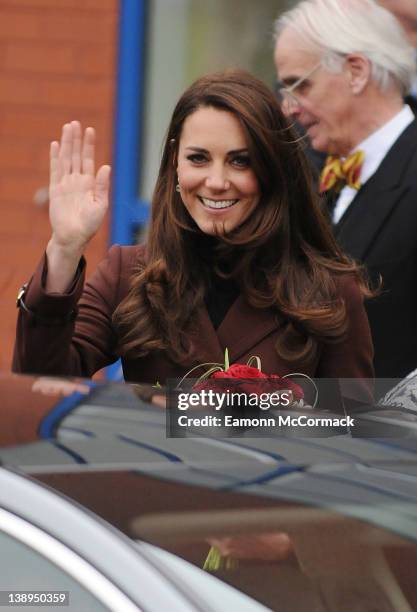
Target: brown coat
pixel 82 346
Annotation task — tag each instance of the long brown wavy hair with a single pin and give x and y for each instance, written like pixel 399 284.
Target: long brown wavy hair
pixel 283 256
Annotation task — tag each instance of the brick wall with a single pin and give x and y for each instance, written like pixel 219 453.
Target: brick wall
pixel 57 63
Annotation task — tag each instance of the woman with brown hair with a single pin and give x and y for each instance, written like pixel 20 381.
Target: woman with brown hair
pixel 238 256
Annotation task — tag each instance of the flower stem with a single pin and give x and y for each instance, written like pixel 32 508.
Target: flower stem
pixel 226 359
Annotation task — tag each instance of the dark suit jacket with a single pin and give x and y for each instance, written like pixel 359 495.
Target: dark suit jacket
pixel 83 346
pixel 380 229
pixel 412 103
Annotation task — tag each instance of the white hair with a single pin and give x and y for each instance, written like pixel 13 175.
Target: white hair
pixel 336 28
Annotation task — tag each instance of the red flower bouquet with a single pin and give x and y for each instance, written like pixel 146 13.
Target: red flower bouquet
pixel 246 378
pixel 266 383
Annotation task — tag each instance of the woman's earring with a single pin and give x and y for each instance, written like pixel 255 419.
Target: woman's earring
pixel 178 188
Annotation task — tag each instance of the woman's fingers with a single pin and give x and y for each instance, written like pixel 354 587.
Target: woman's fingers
pixel 73 153
pixel 88 152
pixel 65 150
pixel 54 169
pixel 102 185
pixel 76 146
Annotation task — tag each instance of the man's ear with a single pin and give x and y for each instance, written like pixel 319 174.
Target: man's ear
pixel 360 70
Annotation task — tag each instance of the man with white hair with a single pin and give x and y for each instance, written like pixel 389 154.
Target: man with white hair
pixel 344 67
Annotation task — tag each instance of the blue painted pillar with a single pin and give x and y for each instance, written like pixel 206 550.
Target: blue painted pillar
pixel 126 210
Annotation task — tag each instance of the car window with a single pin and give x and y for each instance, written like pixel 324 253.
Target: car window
pixel 24 569
pixel 202 586
pixel 295 559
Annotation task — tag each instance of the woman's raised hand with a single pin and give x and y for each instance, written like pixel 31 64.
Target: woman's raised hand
pixel 78 200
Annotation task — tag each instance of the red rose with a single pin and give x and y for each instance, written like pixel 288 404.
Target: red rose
pixel 240 377
pixel 236 374
pixel 239 370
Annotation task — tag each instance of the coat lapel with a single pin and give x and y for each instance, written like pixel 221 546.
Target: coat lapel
pixel 205 339
pixel 244 327
pixel 371 208
pixel 241 330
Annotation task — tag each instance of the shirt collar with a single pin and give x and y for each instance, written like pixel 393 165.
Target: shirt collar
pixel 377 145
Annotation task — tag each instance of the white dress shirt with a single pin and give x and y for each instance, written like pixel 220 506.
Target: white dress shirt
pixel 375 148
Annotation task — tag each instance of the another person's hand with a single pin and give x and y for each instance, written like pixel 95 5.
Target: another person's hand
pixel 272 547
pixel 59 386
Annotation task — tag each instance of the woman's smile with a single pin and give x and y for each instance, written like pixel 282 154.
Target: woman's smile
pixel 217 204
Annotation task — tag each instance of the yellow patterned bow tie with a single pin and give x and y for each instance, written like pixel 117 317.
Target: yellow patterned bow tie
pixel 340 172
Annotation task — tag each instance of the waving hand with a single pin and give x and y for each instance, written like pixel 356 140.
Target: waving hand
pixel 78 200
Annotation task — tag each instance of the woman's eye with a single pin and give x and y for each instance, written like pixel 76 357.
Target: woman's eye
pixel 197 158
pixel 241 161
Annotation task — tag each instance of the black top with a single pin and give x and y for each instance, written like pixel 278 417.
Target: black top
pixel 219 298
pixel 220 292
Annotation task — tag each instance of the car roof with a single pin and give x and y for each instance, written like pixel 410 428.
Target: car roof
pixel 110 437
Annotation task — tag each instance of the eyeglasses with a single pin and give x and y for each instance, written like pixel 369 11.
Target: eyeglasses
pixel 288 95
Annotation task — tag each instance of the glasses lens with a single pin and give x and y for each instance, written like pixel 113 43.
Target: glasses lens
pixel 286 98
